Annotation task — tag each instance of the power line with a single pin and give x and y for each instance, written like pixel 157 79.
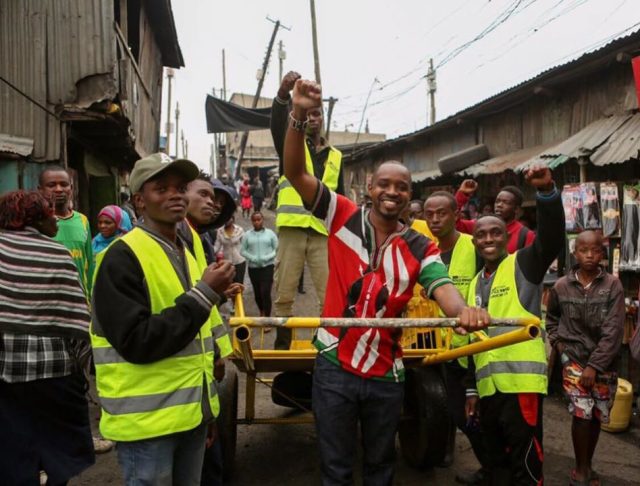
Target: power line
pixel 539 24
pixel 501 19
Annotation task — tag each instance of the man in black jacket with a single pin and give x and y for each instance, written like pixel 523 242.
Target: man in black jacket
pixel 122 313
pixel 301 238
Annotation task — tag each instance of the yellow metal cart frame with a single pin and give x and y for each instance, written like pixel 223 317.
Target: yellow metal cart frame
pixel 425 341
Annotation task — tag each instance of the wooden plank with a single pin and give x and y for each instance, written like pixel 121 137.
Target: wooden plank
pixel 125 48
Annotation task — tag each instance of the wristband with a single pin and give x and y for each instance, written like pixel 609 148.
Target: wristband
pixel 297 125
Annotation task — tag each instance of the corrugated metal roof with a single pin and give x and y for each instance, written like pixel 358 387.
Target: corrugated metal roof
pixel 15 145
pixel 161 17
pixel 501 163
pixel 582 144
pixel 425 174
pixel 588 62
pixel 622 146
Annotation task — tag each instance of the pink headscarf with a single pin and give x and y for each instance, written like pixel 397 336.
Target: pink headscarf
pixel 118 216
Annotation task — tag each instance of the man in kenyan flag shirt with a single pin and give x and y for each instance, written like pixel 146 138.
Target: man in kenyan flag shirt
pixel 374 262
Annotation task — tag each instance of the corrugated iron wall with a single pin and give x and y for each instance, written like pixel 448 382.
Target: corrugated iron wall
pixel 23 62
pixel 46 48
pixel 80 43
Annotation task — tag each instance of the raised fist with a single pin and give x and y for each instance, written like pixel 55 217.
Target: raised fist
pixel 287 83
pixel 539 177
pixel 468 186
pixel 306 95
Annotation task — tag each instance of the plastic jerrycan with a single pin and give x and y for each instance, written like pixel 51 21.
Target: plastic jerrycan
pixel 621 411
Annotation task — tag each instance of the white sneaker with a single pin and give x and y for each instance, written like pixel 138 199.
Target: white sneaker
pixel 100 446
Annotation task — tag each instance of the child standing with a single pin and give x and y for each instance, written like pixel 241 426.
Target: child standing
pixel 259 248
pixel 585 321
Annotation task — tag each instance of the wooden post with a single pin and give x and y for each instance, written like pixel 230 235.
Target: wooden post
pixel 265 65
pixel 314 33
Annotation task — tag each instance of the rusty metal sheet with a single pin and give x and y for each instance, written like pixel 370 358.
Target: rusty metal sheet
pixel 425 175
pixel 16 145
pixel 582 144
pixel 622 146
pixel 80 44
pixel 497 165
pixel 23 62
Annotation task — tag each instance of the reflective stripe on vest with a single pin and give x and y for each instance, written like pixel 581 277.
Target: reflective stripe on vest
pixel 142 401
pixel 109 355
pixel 290 210
pixel 518 368
pixel 219 330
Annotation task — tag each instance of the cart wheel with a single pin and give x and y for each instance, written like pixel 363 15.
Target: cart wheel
pixel 227 418
pixel 296 385
pixel 424 427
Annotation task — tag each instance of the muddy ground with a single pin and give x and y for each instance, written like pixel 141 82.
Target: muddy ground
pixel 281 455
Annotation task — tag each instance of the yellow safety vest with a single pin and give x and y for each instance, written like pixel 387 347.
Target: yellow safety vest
pixel 219 330
pixel 462 269
pixel 142 401
pixel 518 368
pixel 291 210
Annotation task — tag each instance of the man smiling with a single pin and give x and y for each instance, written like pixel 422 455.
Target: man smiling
pixel 506 206
pixel 374 262
pixel 511 381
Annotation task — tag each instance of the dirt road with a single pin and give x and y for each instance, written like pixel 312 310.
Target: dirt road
pixel 279 455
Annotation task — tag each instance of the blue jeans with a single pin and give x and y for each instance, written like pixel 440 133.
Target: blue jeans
pixel 174 459
pixel 340 400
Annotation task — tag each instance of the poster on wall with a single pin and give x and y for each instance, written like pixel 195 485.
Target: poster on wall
pixel 570 248
pixel 630 256
pixel 590 207
pixel 610 209
pixel 572 203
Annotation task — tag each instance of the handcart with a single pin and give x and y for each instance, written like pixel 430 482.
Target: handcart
pixel 425 424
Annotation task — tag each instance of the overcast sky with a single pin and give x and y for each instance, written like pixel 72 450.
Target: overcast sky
pixel 480 47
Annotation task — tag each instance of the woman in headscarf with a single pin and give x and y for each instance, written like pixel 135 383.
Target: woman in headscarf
pixel 44 324
pixel 113 222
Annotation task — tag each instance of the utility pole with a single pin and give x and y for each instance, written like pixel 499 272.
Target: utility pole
pixel 314 33
pixel 366 103
pixel 332 101
pixel 184 152
pixel 177 122
pixel 431 89
pixel 282 55
pixel 213 161
pixel 168 129
pixel 254 104
pixel 224 77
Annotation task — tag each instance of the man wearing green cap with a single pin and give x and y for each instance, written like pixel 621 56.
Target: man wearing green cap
pixel 152 334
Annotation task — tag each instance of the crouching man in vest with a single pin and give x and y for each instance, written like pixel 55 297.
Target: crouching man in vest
pixel 511 381
pixel 152 332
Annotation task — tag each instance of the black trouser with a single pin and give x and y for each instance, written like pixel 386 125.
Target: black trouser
pixel 44 425
pixel 512 432
pixel 240 269
pixel 212 466
pixel 257 204
pixel 262 281
pixel 456 399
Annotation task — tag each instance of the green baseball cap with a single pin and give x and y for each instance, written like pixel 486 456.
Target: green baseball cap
pixel 154 164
